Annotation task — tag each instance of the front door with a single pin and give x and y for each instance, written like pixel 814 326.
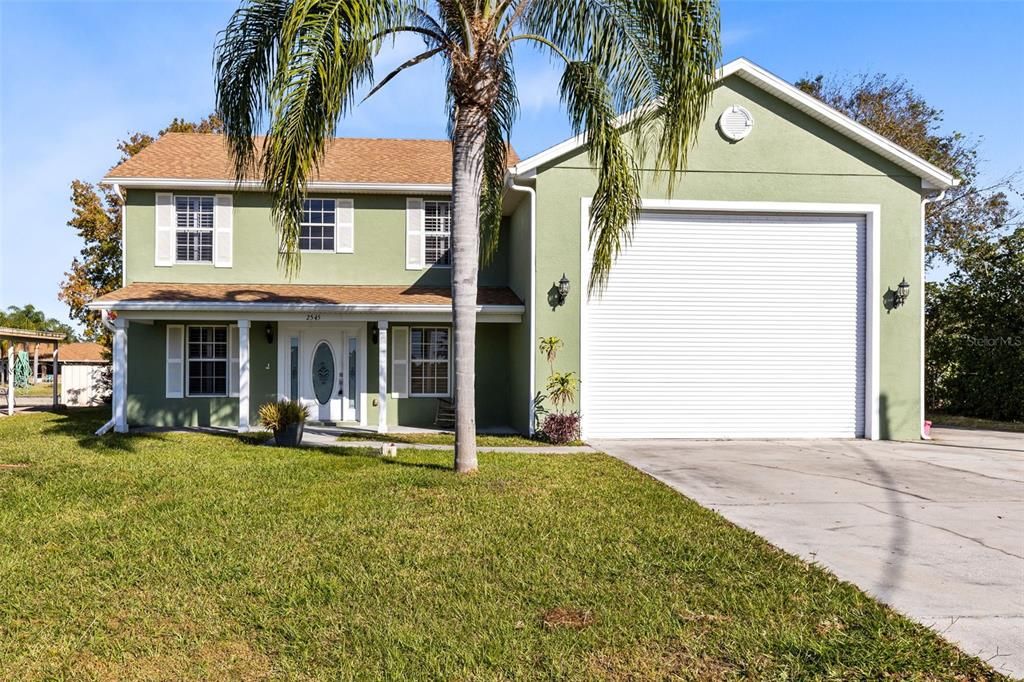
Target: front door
pixel 321 367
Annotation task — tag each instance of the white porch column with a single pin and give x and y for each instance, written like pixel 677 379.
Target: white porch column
pixel 243 375
pixel 35 363
pixel 382 376
pixel 10 377
pixel 120 397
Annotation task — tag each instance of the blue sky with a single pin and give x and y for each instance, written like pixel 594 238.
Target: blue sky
pixel 77 76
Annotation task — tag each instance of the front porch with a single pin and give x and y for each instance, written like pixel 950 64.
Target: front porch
pixel 376 367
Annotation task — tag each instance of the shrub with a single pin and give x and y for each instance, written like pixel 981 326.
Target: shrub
pixel 280 415
pixel 561 429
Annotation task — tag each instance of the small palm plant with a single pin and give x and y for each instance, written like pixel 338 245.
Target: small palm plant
pixel 286 418
pixel 559 427
pixel 549 346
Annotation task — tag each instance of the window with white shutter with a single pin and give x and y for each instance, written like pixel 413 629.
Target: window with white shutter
pixel 175 353
pixel 400 362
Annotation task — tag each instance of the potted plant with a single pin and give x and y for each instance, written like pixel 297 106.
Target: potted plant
pixel 286 418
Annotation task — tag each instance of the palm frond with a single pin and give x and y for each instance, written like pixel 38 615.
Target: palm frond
pixel 422 57
pixel 499 131
pixel 616 202
pixel 245 60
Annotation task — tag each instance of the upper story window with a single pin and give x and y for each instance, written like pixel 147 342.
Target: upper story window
pixel 193 229
pixel 316 232
pixel 437 228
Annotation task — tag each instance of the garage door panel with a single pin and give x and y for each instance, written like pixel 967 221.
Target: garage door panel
pixel 729 325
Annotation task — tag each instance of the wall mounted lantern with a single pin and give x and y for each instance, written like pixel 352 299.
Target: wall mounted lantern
pixel 269 331
pixel 902 291
pixel 563 289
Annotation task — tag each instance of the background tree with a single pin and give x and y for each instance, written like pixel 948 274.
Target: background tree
pixel 975 332
pixel 34 319
pixel 97 219
pixel 892 108
pixel 974 318
pixel 300 63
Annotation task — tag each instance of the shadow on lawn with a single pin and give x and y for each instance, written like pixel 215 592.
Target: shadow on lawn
pixel 372 454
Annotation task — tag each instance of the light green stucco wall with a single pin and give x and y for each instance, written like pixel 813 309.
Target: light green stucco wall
pixel 788 157
pixel 379 256
pixel 492 378
pixel 147 382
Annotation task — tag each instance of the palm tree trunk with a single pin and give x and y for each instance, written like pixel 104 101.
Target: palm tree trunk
pixel 468 139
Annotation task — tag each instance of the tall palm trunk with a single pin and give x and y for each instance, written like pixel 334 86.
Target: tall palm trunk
pixel 468 139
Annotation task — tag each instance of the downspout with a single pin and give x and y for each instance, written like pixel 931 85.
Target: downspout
pixel 936 196
pixel 124 247
pixel 533 290
pixel 105 319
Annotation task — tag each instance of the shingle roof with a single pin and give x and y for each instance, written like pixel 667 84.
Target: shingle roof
pixel 83 352
pixel 204 156
pixel 312 294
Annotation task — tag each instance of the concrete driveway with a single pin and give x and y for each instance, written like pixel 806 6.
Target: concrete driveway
pixel 936 530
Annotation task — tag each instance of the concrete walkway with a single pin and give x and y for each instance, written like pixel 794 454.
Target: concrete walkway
pixel 319 437
pixel 935 530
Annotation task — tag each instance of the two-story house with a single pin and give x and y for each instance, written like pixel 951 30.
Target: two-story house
pixel 760 298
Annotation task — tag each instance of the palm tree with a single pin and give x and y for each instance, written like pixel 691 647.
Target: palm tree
pixel 300 63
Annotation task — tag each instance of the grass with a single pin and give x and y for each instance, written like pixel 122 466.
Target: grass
pixel 193 556
pixel 975 423
pixel 37 390
pixel 446 438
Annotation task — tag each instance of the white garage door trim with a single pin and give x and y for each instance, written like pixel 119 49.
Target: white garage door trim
pixel 872 216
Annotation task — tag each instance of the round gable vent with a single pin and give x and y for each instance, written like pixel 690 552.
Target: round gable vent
pixel 735 123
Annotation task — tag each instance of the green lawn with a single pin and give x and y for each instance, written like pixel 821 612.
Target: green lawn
pixel 975 423
pixel 38 390
pixel 445 438
pixel 203 557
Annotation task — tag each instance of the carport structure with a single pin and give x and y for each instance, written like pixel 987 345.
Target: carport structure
pixel 30 340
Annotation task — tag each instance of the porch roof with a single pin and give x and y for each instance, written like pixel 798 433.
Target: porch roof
pixel 176 296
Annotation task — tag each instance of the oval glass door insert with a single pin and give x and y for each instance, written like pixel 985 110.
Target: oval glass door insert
pixel 323 373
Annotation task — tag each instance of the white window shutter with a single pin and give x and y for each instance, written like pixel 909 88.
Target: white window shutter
pixel 233 361
pixel 175 362
pixel 222 231
pixel 414 244
pixel 164 237
pixel 344 226
pixel 400 362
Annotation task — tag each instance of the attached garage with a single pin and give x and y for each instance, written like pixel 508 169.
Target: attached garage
pixel 734 321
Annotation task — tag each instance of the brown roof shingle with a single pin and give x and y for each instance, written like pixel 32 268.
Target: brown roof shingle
pixel 204 156
pixel 83 352
pixel 335 294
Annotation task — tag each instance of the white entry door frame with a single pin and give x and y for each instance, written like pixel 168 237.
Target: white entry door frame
pixel 323 366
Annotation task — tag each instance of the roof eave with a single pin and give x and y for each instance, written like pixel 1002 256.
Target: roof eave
pixel 213 184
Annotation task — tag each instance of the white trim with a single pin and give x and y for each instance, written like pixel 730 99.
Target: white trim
pixel 400 359
pixel 382 376
pixel 257 185
pixel 120 388
pixel 164 229
pixel 346 207
pixel 333 249
pixel 243 375
pixel 223 230
pixel 448 362
pixel 415 244
pixel 144 316
pixel 226 360
pixel 931 175
pixel 872 214
pixel 532 197
pixel 174 365
pixel 295 307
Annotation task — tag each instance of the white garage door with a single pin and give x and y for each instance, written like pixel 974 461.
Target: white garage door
pixel 729 326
